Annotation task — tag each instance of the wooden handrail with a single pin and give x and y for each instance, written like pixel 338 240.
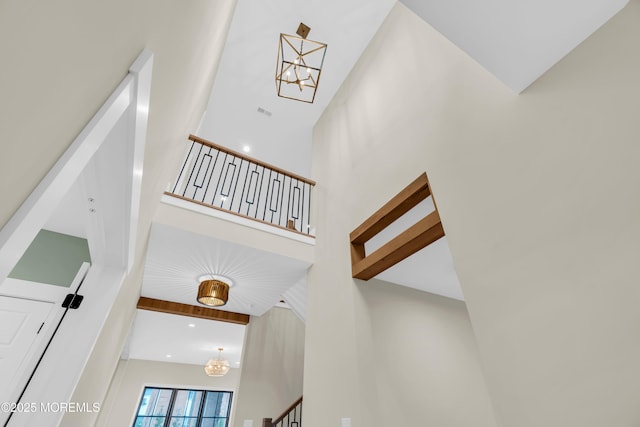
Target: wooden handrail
pixel 289 409
pixel 249 159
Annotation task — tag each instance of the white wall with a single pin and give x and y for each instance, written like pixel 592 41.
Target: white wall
pixel 378 353
pixel 538 196
pixel 418 362
pixel 131 377
pixel 66 58
pixel 272 366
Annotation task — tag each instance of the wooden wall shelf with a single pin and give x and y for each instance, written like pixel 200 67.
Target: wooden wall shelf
pixel 423 233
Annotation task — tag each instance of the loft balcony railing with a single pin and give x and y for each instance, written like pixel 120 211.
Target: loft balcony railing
pixel 223 179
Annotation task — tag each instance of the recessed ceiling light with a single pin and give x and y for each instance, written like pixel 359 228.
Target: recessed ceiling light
pixel 246 148
pixel 168 356
pixel 192 325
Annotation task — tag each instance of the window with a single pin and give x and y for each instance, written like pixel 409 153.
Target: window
pixel 166 407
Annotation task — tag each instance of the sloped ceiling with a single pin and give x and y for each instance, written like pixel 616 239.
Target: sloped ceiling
pixel 517 41
pixel 245 79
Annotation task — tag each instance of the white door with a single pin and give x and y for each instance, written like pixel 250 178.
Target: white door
pixel 29 315
pixel 21 321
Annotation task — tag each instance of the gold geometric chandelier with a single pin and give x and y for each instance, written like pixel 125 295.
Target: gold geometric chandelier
pixel 213 292
pixel 299 65
pixel 217 367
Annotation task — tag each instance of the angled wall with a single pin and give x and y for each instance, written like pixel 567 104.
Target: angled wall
pixel 538 197
pixel 272 366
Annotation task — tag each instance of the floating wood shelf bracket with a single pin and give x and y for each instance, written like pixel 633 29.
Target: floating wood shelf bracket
pixel 421 234
pixel 171 307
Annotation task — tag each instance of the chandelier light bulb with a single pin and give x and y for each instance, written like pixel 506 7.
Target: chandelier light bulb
pixel 213 290
pixel 295 55
pixel 217 367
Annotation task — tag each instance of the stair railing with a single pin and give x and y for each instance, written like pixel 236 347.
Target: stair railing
pixel 223 179
pixel 291 417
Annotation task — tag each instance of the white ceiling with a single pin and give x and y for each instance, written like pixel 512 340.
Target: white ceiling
pixel 169 338
pixel 176 258
pixel 516 40
pixel 246 76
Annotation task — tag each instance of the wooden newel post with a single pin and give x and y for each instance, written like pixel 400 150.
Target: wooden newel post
pixel 266 422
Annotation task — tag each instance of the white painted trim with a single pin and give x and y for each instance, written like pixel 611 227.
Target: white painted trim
pixel 141 69
pixel 26 289
pixel 63 363
pixel 237 219
pixel 24 225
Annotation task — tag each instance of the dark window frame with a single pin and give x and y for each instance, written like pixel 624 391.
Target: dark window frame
pixel 168 416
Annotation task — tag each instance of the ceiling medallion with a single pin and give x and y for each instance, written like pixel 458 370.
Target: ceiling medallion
pixel 299 65
pixel 213 290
